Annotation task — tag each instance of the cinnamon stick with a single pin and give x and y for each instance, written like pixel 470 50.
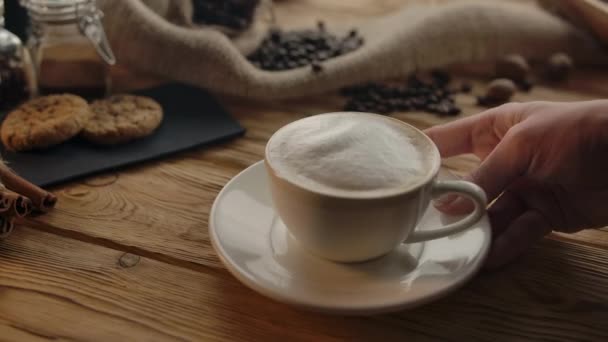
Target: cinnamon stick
pixel 41 199
pixel 7 224
pixel 5 202
pixel 21 206
pixel 18 205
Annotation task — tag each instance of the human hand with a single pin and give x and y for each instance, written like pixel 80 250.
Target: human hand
pixel 545 163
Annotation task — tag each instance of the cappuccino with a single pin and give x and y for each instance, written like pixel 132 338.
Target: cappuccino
pixel 345 153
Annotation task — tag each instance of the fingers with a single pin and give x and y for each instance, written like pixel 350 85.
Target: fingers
pixel 502 212
pixel 461 136
pixel 522 215
pixel 508 161
pixel 457 137
pixel 521 234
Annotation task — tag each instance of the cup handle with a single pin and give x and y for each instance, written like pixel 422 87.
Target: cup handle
pixel 467 189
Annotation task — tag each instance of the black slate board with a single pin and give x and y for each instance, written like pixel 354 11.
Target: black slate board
pixel 192 118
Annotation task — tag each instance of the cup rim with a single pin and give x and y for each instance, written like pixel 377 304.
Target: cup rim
pixel 371 194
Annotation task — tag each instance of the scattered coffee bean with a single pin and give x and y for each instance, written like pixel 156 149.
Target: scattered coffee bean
pixel 234 14
pixel 466 87
pixel 321 25
pixel 514 67
pixel 283 50
pixel 453 111
pixel 525 85
pixel 499 91
pixel 415 94
pixel 440 76
pixel 316 67
pixel 559 67
pixel 482 101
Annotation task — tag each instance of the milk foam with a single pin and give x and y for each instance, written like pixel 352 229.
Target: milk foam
pixel 348 152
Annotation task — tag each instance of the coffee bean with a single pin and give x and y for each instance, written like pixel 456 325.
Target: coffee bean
pixel 394 92
pixel 440 93
pixel 316 67
pixel 234 14
pixel 466 87
pixel 321 25
pixel 275 35
pixel 525 85
pixel 414 94
pixel 310 45
pixel 322 56
pixel 482 101
pixel 395 103
pixel 441 77
pixel 424 91
pixel 308 49
pixel 433 99
pixel 414 82
pixel 381 109
pixel 267 65
pixel 418 103
pixel 433 108
pixel 454 111
pixel 369 104
pixel 351 107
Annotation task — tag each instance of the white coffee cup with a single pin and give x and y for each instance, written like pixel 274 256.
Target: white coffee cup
pixel 359 227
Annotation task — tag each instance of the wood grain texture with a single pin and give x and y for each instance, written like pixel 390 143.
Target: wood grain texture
pixel 162 207
pixel 63 279
pixel 590 237
pixel 57 288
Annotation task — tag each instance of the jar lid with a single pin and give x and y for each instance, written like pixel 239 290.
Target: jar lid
pixel 58 10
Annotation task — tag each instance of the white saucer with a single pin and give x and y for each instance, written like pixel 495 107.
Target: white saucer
pixel 257 249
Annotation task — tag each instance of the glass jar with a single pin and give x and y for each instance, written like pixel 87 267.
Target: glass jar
pixel 69 47
pixel 17 75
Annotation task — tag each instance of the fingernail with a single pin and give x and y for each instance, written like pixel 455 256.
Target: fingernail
pixel 461 206
pixel 445 200
pixel 456 206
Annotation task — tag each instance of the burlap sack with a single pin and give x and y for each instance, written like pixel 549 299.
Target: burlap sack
pixel 156 36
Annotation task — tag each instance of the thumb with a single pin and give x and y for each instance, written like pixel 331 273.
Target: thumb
pixel 523 232
pixel 507 162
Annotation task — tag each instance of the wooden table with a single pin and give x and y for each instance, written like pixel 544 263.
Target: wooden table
pixel 126 255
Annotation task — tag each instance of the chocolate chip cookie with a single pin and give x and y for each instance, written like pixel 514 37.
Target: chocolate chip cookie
pixel 45 121
pixel 122 118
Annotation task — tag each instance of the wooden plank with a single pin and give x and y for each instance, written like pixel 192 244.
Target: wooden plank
pixel 9 333
pixel 162 207
pixel 591 237
pixel 57 288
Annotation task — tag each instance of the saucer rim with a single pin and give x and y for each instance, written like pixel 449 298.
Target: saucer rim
pixel 243 276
